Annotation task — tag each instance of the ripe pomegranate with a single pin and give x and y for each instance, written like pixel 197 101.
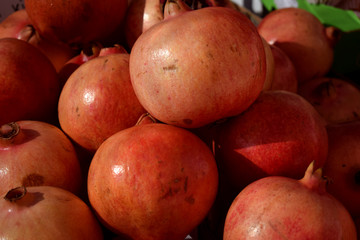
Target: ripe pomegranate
pixel 188 72
pixel 98 100
pixel 152 181
pixel 302 37
pixel 337 100
pixel 342 167
pixel 36 153
pixel 76 22
pixel 29 87
pixel 18 25
pixel 46 212
pixel 279 134
pixel 278 207
pixel 284 72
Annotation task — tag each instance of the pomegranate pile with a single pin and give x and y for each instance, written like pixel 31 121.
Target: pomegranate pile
pixel 158 120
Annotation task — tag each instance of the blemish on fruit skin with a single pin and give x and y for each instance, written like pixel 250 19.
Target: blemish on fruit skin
pixel 190 199
pixel 172 67
pixel 33 179
pixel 186 184
pixel 187 121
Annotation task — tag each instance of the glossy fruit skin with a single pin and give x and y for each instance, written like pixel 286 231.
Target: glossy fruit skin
pixel 342 167
pixel 47 212
pixel 152 181
pixel 98 100
pixel 302 37
pixel 18 25
pixel 187 72
pixel 40 154
pixel 29 87
pixel 76 22
pixel 280 134
pixel 337 100
pixel 283 208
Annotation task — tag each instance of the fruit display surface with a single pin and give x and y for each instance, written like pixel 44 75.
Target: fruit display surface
pixel 178 119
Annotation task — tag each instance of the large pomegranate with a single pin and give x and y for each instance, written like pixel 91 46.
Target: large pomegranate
pixel 302 37
pixel 279 134
pixel 98 100
pixel 76 22
pixel 342 167
pixel 18 25
pixel 29 87
pixel 34 153
pixel 337 100
pixel 152 181
pixel 188 72
pixel 46 212
pixel 284 208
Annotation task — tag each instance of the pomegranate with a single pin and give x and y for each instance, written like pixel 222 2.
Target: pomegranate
pixel 188 72
pixel 46 212
pixel 342 167
pixel 280 134
pixel 18 25
pixel 36 153
pixel 98 100
pixel 76 22
pixel 337 100
pixel 152 181
pixel 278 207
pixel 302 37
pixel 284 72
pixel 29 87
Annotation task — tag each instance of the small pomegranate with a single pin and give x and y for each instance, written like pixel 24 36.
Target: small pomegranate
pixel 29 87
pixel 46 212
pixel 279 134
pixel 302 37
pixel 342 167
pixel 337 100
pixel 284 208
pixel 152 181
pixel 76 22
pixel 188 72
pixel 98 96
pixel 34 153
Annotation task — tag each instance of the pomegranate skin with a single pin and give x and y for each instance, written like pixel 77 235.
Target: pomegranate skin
pixel 76 22
pixel 39 154
pixel 29 87
pixel 279 134
pixel 46 212
pixel 342 167
pixel 98 100
pixel 152 181
pixel 302 37
pixel 283 208
pixel 188 72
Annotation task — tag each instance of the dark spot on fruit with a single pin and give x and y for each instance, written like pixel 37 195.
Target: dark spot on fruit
pixel 33 179
pixel 186 184
pixel 357 178
pixel 167 194
pixel 187 121
pixel 343 165
pixel 355 114
pixel 170 68
pixel 190 199
pixel 77 111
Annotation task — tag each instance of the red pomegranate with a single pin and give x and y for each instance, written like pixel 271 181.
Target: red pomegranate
pixel 285 77
pixel 46 212
pixel 18 25
pixel 302 37
pixel 188 72
pixel 152 181
pixel 36 153
pixel 342 167
pixel 279 134
pixel 29 87
pixel 337 100
pixel 98 100
pixel 284 208
pixel 76 22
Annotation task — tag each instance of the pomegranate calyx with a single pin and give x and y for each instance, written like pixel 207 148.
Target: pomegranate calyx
pixel 174 8
pixel 26 33
pixel 145 119
pixel 313 179
pixel 15 194
pixel 9 131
